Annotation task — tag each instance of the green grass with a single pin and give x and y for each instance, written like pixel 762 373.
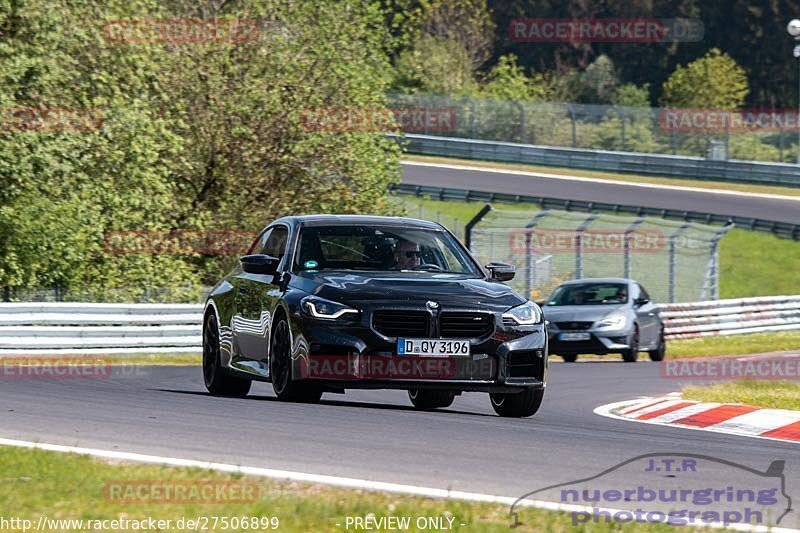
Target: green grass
pixel 759 393
pixel 758 264
pixel 752 263
pixel 66 486
pixel 633 178
pixel 754 343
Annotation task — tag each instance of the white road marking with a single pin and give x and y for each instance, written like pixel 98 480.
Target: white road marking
pixel 724 192
pixel 412 490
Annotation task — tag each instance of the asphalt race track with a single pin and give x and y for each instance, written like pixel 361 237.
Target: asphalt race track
pixel 703 202
pixel 375 435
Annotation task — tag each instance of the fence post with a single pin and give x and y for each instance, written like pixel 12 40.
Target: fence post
pixel 579 244
pixel 572 120
pixel 711 284
pixel 6 294
pixel 627 258
pixel 471 224
pixel 530 252
pixel 622 127
pixel 521 121
pixel 672 260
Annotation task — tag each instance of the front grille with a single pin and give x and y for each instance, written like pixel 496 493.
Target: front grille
pixel 393 323
pixel 465 325
pixel 574 325
pixel 523 364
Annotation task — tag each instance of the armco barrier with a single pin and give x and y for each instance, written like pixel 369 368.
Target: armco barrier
pixel 86 328
pixel 92 328
pixel 630 162
pixel 731 317
pixel 781 229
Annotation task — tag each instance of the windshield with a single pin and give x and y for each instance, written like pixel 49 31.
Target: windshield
pixel 381 248
pixel 590 294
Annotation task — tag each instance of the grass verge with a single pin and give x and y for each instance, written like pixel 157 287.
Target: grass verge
pixel 65 486
pixel 760 393
pixel 632 178
pixel 754 343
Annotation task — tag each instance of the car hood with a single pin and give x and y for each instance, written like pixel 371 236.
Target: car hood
pixel 581 313
pixel 407 289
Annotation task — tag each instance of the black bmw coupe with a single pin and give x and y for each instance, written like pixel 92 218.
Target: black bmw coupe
pixel 325 303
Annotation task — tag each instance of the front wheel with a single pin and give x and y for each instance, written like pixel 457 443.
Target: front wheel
pixel 570 358
pixel 518 405
pixel 431 399
pixel 280 368
pixel 216 378
pixel 660 351
pixel 632 353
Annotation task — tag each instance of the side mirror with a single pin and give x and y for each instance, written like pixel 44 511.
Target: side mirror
pixel 501 271
pixel 640 301
pixel 259 264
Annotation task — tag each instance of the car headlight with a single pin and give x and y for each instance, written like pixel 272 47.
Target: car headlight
pixel 526 314
pixel 612 322
pixel 322 308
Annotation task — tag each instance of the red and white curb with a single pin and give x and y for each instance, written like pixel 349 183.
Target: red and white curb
pixel 735 419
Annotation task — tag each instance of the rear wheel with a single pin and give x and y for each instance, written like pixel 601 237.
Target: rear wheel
pixel 217 379
pixel 631 354
pixel 571 358
pixel 431 399
pixel 280 368
pixel 518 405
pixel 660 351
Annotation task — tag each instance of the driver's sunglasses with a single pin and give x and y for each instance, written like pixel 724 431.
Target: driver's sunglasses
pixel 413 253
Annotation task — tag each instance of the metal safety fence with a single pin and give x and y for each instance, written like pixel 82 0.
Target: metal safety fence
pixel 755 135
pixel 675 261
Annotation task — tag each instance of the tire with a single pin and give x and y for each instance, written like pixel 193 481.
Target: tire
pixel 659 353
pixel 217 379
pixel 280 368
pixel 431 399
pixel 630 355
pixel 518 405
pixel 571 358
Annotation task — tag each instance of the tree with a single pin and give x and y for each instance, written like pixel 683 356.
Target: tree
pixel 713 81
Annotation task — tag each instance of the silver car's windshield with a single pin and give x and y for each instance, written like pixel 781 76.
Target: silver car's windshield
pixel 590 294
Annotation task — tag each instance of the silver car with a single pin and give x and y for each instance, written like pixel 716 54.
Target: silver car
pixel 601 316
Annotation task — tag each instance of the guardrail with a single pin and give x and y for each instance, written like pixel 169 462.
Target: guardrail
pixel 731 317
pixel 781 229
pixel 81 328
pixel 76 328
pixel 627 162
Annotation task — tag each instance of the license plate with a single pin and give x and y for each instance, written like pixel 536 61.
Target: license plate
pixel 580 336
pixel 432 347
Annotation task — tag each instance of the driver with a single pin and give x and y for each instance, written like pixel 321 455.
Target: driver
pixel 407 254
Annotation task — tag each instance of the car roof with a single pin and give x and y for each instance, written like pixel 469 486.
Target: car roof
pixel 598 280
pixel 347 220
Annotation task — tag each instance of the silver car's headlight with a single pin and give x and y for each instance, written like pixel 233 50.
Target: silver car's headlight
pixel 612 322
pixel 322 308
pixel 526 314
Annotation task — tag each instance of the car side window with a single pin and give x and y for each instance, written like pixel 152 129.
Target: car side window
pixel 636 291
pixel 275 243
pixel 643 293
